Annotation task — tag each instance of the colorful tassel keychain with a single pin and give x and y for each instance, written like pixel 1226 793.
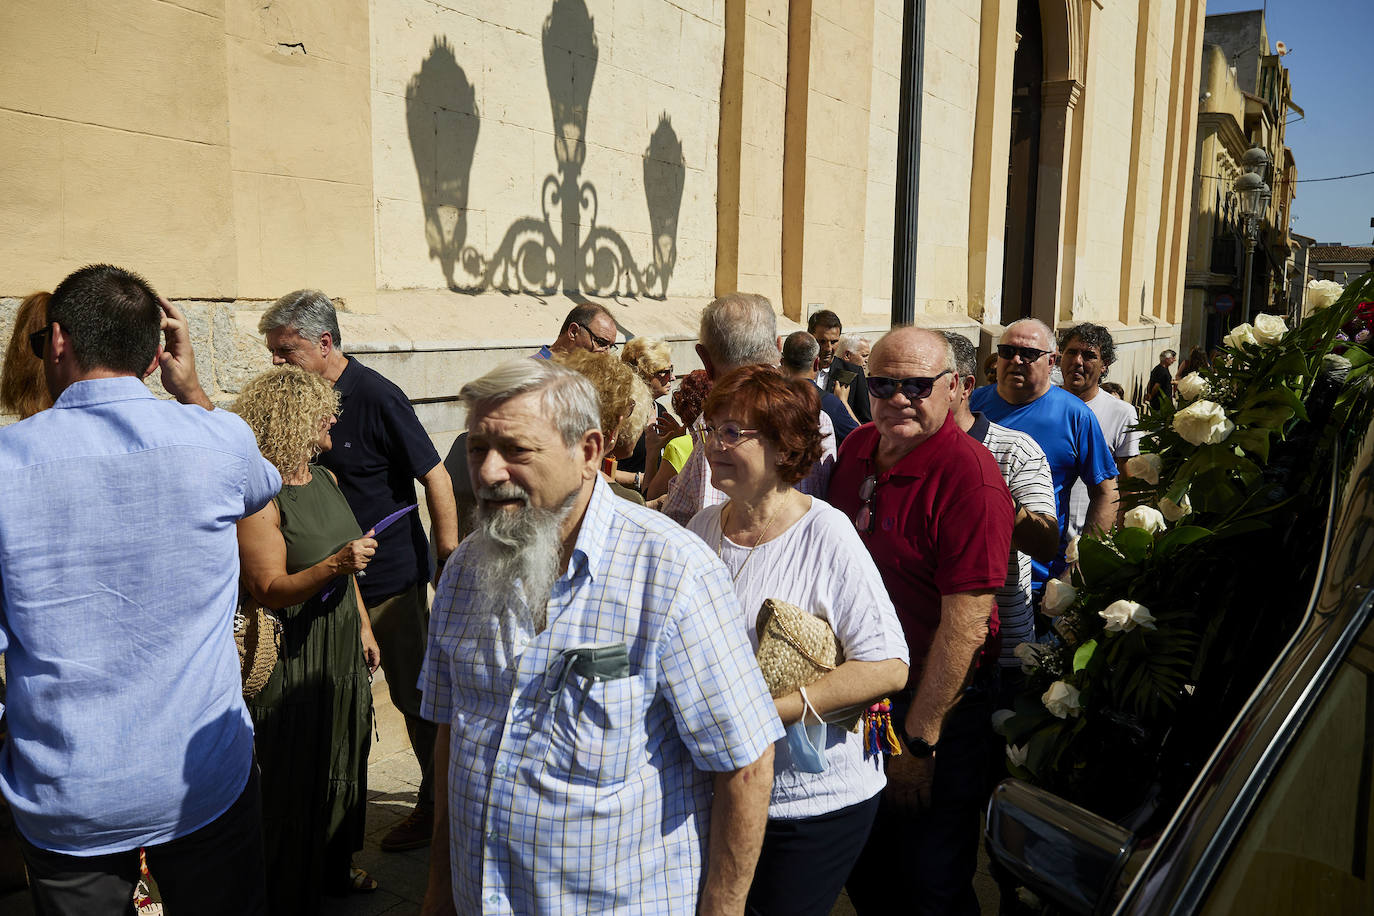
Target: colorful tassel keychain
pixel 879 737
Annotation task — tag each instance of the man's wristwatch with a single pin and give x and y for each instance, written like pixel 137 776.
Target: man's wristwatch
pixel 920 748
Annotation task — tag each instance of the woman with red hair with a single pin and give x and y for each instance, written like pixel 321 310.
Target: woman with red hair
pixel 761 437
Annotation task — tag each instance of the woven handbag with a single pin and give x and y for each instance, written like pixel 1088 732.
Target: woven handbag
pixel 796 648
pixel 257 634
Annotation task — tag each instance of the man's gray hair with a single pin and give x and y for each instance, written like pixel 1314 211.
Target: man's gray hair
pixel 309 311
pixel 799 351
pixel 965 355
pixel 740 329
pixel 565 396
pixel 850 343
pixel 1168 354
pixel 1045 330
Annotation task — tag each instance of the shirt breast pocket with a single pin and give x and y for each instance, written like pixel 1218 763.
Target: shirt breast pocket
pixel 597 730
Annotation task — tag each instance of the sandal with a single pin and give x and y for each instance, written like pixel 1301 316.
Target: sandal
pixel 360 882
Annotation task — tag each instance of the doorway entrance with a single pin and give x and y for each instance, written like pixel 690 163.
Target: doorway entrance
pixel 1018 265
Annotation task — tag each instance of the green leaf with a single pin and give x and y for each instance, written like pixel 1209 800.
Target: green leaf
pixel 1042 745
pixel 1133 542
pixel 1179 537
pixel 1358 356
pixel 1254 441
pixel 1097 561
pixel 1084 653
pixel 1279 395
pixel 1272 417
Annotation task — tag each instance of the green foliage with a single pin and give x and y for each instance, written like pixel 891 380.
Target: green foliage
pixel 1141 675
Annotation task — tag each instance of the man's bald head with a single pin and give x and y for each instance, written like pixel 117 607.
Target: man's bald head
pixel 910 341
pixel 1035 326
pixel 903 421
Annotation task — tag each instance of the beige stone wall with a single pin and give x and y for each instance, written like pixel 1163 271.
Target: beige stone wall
pixel 884 98
pixel 117 143
pixel 464 141
pixel 300 147
pixel 1108 115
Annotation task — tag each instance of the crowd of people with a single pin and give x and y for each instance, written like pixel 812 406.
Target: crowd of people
pixel 585 696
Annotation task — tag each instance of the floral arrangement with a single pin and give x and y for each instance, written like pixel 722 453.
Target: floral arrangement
pixel 1145 608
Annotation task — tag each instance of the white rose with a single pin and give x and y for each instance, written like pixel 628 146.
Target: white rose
pixel 999 720
pixel 1029 656
pixel 1146 467
pixel 1147 517
pixel 1323 293
pixel 1017 754
pixel 1240 334
pixel 1203 423
pixel 1269 329
pixel 1174 511
pixel 1123 616
pixel 1058 596
pixel 1071 551
pixel 1061 699
pixel 1192 386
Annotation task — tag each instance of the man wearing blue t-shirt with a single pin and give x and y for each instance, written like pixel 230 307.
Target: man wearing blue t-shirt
pixel 1061 424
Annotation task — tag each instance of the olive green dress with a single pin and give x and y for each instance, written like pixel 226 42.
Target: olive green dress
pixel 313 718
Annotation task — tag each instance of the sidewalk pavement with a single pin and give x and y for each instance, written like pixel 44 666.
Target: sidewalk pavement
pixel 393 779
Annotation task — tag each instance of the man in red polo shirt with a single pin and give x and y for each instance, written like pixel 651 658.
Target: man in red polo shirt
pixel 934 511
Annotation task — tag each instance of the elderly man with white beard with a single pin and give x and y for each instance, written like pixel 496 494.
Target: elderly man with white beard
pixel 605 735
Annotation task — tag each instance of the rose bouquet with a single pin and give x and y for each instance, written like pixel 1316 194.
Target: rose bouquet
pixel 1163 625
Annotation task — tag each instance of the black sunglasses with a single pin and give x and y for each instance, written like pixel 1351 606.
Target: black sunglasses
pixel 600 342
pixel 38 341
pixel 863 519
pixel 1027 354
pixel 913 389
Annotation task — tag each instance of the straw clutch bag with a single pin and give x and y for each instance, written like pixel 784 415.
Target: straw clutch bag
pixel 257 634
pixel 796 648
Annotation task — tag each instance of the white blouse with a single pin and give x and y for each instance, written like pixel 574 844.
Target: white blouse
pixel 820 565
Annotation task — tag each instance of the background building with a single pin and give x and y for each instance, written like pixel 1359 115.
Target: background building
pixel 460 173
pixel 1246 97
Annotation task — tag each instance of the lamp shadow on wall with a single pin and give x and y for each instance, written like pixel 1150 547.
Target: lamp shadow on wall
pixel 442 120
pixel 564 249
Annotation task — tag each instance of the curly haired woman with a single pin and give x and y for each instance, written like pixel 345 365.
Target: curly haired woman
pixel 299 557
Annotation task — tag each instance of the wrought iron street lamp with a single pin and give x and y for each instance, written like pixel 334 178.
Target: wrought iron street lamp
pixel 1254 204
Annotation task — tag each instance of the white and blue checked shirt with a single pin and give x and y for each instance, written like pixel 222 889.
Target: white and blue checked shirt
pixel 573 795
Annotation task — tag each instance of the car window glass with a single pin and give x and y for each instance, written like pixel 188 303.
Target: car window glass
pixel 1306 848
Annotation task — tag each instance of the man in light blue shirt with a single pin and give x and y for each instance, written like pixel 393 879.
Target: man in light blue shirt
pixel 605 735
pixel 118 580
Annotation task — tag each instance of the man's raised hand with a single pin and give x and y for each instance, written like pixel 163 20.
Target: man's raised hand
pixel 177 359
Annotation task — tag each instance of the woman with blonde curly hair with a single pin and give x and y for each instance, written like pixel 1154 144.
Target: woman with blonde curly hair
pixel 23 389
pixel 299 557
pixel 623 411
pixel 652 361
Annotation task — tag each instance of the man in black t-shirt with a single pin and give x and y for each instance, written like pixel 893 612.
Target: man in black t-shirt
pixel 1161 381
pixel 380 450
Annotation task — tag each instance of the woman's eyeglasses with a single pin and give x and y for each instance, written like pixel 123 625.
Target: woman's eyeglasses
pixel 727 435
pixel 1027 354
pixel 914 388
pixel 664 375
pixel 863 519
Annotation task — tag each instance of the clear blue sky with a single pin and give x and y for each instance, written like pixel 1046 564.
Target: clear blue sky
pixel 1331 65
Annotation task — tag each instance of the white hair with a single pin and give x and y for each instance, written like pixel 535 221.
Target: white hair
pixel 740 329
pixel 851 343
pixel 566 397
pixel 1040 326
